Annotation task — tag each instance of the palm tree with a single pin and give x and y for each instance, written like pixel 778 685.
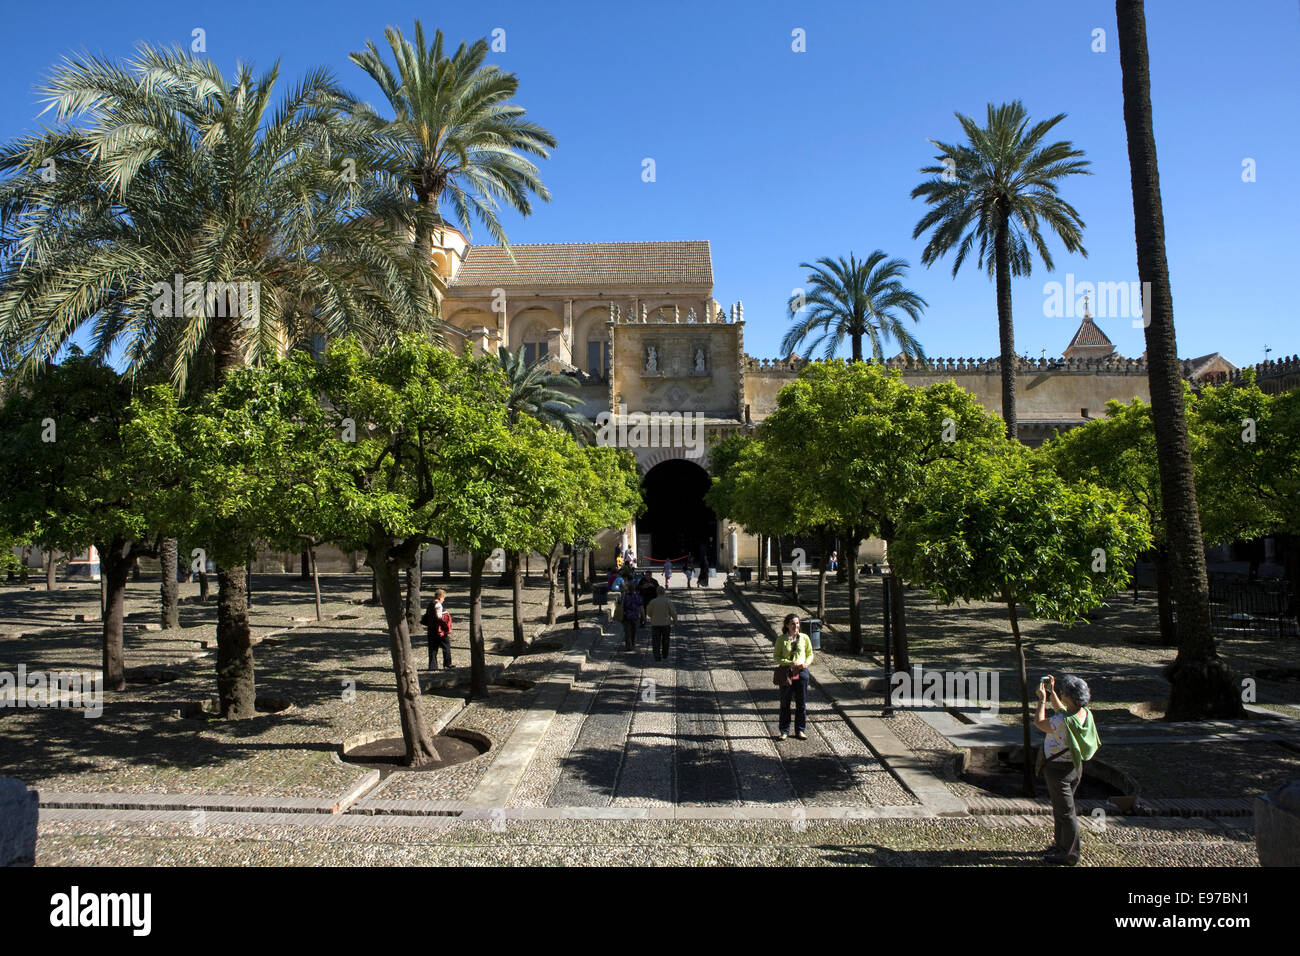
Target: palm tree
pixel 546 397
pixel 1201 683
pixel 455 130
pixel 456 135
pixel 856 299
pixel 172 170
pixel 998 188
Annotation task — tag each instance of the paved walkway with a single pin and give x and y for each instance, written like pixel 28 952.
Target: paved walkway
pixel 696 731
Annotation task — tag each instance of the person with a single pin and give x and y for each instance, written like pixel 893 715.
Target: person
pixel 690 570
pixel 1071 739
pixel 630 610
pixel 618 562
pixel 793 651
pixel 668 573
pixel 647 588
pixel 834 564
pixel 437 624
pixel 618 552
pixel 662 617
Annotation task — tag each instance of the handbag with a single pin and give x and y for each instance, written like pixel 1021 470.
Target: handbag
pixel 781 676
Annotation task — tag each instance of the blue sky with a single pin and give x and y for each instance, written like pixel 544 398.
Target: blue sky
pixel 778 157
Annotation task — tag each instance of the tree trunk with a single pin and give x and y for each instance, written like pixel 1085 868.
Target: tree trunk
pixel 762 558
pixel 420 748
pixel 821 579
pixel 135 570
pixel 901 660
pixel 1201 684
pixel 315 578
pixel 49 570
pixel 446 563
pixel 1165 599
pixel 413 599
pixel 304 564
pixel 1023 673
pixel 553 585
pixel 855 612
pixel 566 571
pixel 170 588
pixel 114 568
pixel 103 592
pixel 1006 331
pixel 794 583
pixel 780 566
pixel 517 600
pixel 374 587
pixel 236 684
pixel 477 658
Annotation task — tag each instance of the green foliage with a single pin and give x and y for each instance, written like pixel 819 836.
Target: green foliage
pixel 69 482
pixel 854 443
pixel 547 397
pixel 1246 451
pixel 165 166
pixel 1006 527
pixel 455 128
pixel 1003 173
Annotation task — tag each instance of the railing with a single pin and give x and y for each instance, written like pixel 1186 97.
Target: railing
pixel 1263 606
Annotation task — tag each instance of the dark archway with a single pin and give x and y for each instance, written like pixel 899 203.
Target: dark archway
pixel 676 518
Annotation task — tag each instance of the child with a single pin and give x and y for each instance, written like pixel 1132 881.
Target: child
pixel 438 624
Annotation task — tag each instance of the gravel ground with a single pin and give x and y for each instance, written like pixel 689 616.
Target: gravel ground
pixel 337 673
pixel 988 841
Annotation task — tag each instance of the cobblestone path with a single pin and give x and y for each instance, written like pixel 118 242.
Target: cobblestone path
pixel 697 730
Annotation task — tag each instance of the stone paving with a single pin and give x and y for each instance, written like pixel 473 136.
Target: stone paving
pixel 697 731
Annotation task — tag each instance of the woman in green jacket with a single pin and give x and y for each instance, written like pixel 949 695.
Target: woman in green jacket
pixel 794 651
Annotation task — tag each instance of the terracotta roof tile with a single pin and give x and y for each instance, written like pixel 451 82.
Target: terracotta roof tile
pixel 1088 335
pixel 588 264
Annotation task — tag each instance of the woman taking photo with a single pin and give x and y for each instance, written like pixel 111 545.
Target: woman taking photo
pixel 1072 738
pixel 793 655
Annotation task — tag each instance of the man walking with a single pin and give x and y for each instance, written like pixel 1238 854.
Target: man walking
pixel 662 617
pixel 631 609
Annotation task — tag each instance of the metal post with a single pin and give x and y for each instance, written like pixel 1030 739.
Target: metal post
pixel 888 581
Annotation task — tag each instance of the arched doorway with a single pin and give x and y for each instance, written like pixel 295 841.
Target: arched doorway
pixel 677 520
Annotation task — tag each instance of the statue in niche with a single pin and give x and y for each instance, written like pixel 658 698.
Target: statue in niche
pixel 660 317
pixel 652 359
pixel 690 317
pixel 699 361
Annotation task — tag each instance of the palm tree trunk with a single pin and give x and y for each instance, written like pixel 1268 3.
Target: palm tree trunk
pixel 477 658
pixel 171 591
pixel 1201 684
pixel 420 748
pixel 1006 331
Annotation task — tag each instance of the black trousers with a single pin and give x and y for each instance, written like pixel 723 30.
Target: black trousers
pixel 798 692
pixel 436 642
pixel 629 633
pixel 1062 782
pixel 659 640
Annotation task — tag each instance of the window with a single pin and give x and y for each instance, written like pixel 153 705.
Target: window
pixel 533 351
pixel 598 357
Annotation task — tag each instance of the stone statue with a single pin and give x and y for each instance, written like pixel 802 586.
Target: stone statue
pixel 690 317
pixel 652 360
pixel 699 360
pixel 659 316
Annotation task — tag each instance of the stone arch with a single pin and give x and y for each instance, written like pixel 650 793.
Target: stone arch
pixel 523 325
pixel 590 326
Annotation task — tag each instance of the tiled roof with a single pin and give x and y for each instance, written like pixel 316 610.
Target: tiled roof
pixel 1088 335
pixel 588 264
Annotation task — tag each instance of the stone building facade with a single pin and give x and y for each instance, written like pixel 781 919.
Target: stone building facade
pixel 637 327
